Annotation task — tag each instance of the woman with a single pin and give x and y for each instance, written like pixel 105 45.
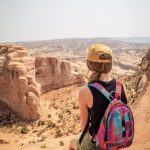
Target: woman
pixel 92 103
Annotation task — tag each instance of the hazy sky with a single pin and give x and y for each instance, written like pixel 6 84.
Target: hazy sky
pixel 50 19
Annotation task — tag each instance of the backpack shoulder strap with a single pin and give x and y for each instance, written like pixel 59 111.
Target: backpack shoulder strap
pixel 100 88
pixel 118 89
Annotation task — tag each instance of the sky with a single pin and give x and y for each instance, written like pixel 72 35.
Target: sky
pixel 29 20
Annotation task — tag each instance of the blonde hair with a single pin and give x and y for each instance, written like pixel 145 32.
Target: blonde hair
pixel 97 68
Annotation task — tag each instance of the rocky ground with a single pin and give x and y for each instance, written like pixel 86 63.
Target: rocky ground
pixel 60 121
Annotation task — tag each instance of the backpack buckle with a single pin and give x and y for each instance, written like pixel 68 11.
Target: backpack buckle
pixel 112 95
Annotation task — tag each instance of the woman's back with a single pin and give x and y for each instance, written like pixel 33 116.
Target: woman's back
pixel 100 103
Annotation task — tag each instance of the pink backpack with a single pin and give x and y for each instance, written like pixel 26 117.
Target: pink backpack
pixel 116 130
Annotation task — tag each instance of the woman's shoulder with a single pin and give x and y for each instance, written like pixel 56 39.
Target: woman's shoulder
pixel 83 90
pixel 85 95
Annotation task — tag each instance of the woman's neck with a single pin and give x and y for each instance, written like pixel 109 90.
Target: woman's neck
pixel 105 77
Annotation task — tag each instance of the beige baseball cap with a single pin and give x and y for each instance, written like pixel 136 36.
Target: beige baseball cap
pixel 95 51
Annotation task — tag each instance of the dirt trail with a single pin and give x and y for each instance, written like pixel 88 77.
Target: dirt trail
pixel 142 123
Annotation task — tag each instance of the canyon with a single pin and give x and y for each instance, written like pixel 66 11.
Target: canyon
pixel 39 90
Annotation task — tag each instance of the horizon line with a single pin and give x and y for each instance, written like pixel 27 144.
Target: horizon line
pixel 111 37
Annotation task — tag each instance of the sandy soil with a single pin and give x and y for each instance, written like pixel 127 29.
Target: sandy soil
pixel 60 122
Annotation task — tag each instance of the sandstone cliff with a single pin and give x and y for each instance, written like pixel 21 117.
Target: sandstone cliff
pixel 52 73
pixel 143 74
pixel 18 88
pixel 141 106
pixel 23 78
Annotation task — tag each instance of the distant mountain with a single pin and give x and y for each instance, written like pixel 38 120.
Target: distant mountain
pixel 73 43
pixel 79 44
pixel 134 39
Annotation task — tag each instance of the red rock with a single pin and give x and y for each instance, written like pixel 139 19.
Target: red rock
pixel 16 89
pixel 52 73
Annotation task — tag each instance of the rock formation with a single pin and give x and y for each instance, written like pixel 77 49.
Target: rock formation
pixel 22 78
pixel 141 107
pixel 147 61
pixel 137 83
pixel 143 73
pixel 18 88
pixel 124 65
pixel 52 73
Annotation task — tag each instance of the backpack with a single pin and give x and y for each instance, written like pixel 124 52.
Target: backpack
pixel 116 130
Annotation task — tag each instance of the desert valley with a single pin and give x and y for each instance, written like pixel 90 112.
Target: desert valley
pixel 39 84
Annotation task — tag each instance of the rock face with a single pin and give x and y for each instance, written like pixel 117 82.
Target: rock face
pixel 142 107
pixel 52 73
pixel 18 88
pixel 144 71
pixel 140 80
pixel 23 78
pixel 148 64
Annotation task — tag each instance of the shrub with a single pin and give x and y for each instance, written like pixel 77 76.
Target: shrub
pixel 41 123
pixel 24 130
pixel 51 124
pixel 49 115
pixel 43 146
pixel 61 143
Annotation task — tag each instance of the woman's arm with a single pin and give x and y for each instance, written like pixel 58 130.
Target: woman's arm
pixel 82 97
